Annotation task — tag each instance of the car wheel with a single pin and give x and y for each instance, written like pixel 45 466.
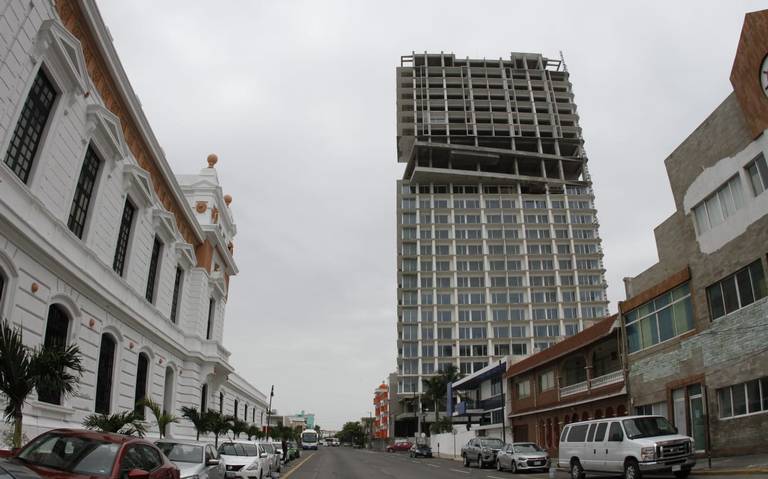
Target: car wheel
pixel 632 470
pixel 683 473
pixel 577 472
pixel 513 466
pixel 466 461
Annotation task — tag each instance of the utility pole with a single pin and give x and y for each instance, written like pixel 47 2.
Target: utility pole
pixel 503 409
pixel 269 409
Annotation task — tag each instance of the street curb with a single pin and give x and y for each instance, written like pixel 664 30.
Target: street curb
pixel 729 472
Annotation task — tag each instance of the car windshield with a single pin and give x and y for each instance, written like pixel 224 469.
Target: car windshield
pixel 236 449
pixel 75 454
pixel 269 448
pixel 523 448
pixel 648 427
pixel 181 452
pixel 492 443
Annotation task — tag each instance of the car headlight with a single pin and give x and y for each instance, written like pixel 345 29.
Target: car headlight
pixel 253 466
pixel 648 454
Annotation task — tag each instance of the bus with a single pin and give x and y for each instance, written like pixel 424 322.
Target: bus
pixel 309 439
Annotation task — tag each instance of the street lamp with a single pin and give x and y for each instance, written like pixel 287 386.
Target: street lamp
pixel 269 409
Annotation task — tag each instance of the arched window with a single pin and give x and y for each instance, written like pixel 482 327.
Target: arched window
pixel 56 329
pixel 235 409
pixel 621 410
pixel 221 403
pixel 104 374
pixel 2 288
pixel 142 369
pixel 204 398
pixel 245 412
pixel 609 411
pixel 585 416
pixel 170 383
pixel 599 414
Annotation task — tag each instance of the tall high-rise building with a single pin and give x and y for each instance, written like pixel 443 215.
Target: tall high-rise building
pixel 498 245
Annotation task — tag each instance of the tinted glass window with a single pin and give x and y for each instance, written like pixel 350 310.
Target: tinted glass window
pixel 591 433
pixel 600 434
pixel 564 434
pixel 71 454
pixel 615 433
pixel 578 433
pixel 151 459
pixel 181 452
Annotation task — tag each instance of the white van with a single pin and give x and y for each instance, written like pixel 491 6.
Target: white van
pixel 632 445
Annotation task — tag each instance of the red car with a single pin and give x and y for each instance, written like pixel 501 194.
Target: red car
pixel 78 454
pixel 400 446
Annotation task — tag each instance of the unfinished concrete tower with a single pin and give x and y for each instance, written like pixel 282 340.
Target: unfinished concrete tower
pixel 498 245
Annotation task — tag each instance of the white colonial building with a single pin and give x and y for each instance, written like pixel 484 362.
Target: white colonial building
pixel 101 244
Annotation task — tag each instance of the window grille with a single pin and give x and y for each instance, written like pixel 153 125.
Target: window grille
pixel 83 193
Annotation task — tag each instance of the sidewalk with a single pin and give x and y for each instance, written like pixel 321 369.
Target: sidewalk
pixel 752 464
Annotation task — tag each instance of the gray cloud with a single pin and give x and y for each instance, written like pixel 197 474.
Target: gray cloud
pixel 298 98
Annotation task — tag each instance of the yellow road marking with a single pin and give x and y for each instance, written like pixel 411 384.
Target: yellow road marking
pixel 288 474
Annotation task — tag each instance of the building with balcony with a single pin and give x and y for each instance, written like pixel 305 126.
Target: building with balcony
pixel 381 412
pixel 480 401
pixel 697 321
pixel 580 378
pixel 497 234
pixel 101 244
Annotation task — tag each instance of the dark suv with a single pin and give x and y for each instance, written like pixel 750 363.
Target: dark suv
pixel 481 450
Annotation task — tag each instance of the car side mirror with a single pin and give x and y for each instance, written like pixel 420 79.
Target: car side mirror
pixel 674 428
pixel 138 474
pixel 263 455
pixel 212 462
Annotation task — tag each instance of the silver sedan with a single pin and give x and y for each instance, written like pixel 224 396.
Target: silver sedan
pixel 522 456
pixel 195 460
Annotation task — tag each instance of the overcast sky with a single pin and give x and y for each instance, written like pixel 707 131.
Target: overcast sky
pixel 298 100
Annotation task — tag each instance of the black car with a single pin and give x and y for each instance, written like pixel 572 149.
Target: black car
pixel 420 450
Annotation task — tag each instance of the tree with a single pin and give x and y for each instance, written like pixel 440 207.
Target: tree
pixel 198 420
pixel 436 387
pixel 238 426
pixel 352 432
pixel 57 369
pixel 444 424
pixel 254 431
pixel 125 422
pixel 162 418
pixel 218 424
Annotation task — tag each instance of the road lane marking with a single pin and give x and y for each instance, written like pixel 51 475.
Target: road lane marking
pixel 495 477
pixel 297 466
pixel 433 465
pixel 459 470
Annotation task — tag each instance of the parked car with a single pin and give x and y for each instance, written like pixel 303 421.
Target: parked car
pixel 400 445
pixel 632 445
pixel 195 460
pixel 273 459
pixel 73 453
pixel 420 450
pixel 481 450
pixel 243 459
pixel 522 456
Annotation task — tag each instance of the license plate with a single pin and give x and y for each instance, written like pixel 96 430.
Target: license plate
pixel 538 463
pixel 676 468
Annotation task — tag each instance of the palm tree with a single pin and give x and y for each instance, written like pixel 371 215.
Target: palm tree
pixel 436 386
pixel 22 369
pixel 124 422
pixel 198 420
pixel 238 426
pixel 162 418
pixel 254 431
pixel 218 424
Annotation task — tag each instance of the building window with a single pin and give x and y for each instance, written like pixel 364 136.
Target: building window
pixel 121 250
pixel 719 205
pixel 29 130
pixel 56 329
pixel 176 293
pixel 141 385
pixel 157 247
pixel 104 374
pixel 523 389
pixel 235 414
pixel 496 389
pixel 204 398
pixel 547 381
pixel 758 174
pixel 745 398
pixel 83 193
pixel 221 403
pixel 655 409
pixel 660 319
pixel 737 290
pixel 245 412
pixel 211 312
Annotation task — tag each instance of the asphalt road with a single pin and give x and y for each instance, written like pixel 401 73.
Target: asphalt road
pixel 347 463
